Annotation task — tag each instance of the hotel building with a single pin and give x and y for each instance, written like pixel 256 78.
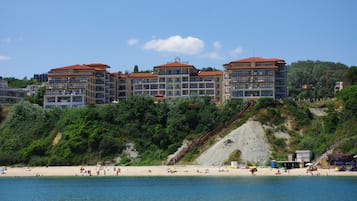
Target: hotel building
pixel 176 79
pixel 79 85
pixel 92 84
pixel 255 77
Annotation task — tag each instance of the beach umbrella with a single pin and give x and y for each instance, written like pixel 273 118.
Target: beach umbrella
pixel 308 164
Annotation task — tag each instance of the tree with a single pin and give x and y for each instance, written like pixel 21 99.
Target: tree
pixel 351 75
pixel 38 97
pixel 208 69
pixel 136 69
pixel 349 97
pixel 319 76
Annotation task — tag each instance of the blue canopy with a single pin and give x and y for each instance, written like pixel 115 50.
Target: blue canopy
pixel 339 163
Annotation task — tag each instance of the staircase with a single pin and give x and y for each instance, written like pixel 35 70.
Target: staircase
pixel 204 137
pixel 331 148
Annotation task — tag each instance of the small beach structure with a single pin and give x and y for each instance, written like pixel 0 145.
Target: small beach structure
pixel 339 159
pixel 303 155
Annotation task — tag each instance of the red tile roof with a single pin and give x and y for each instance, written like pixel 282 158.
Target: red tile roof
pixel 175 64
pixel 210 73
pixel 120 75
pixel 83 67
pixel 74 67
pixel 256 59
pixel 142 75
pixel 99 65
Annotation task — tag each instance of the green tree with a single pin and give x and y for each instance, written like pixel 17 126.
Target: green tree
pixel 351 75
pixel 136 69
pixel 38 97
pixel 320 76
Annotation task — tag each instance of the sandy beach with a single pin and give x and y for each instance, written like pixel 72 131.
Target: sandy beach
pixel 190 170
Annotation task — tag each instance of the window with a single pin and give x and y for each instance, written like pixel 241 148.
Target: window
pixel 193 85
pixel 210 85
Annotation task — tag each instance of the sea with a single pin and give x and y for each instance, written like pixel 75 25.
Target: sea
pixel 253 188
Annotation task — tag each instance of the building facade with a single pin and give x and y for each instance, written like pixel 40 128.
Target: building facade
pixel 92 84
pixel 174 80
pixel 11 96
pixel 79 85
pixel 255 77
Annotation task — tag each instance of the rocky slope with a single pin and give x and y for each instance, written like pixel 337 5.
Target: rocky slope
pixel 249 138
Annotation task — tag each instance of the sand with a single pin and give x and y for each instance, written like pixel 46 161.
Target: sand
pixel 161 171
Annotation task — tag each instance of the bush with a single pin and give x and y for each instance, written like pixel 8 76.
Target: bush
pixel 235 156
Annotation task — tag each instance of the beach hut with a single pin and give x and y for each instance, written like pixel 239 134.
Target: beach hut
pixel 234 164
pixel 303 155
pixel 273 164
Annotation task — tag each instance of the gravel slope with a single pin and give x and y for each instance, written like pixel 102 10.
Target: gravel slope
pixel 249 139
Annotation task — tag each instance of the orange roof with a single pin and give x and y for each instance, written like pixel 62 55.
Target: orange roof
pixel 74 67
pixel 142 75
pixel 175 64
pixel 83 67
pixel 210 73
pixel 98 66
pixel 120 75
pixel 256 59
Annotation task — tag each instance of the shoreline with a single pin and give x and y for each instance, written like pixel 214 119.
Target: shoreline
pixel 178 170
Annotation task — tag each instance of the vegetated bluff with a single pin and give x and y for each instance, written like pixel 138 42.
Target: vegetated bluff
pixel 36 136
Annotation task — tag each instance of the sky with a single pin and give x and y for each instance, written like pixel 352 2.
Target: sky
pixel 38 35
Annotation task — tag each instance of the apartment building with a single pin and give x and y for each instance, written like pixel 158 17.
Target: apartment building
pixel 79 85
pixel 11 96
pixel 255 77
pixel 176 79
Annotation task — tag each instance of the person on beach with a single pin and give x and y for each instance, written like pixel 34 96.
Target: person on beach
pixel 118 170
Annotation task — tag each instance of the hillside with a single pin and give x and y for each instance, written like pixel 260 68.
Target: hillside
pixel 249 138
pixel 32 135
pixel 277 129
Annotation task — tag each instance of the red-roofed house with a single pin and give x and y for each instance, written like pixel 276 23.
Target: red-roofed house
pixel 255 77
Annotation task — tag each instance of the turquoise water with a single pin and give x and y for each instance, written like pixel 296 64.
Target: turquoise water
pixel 179 188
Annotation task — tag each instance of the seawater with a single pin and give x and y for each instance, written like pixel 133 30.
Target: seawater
pixel 179 188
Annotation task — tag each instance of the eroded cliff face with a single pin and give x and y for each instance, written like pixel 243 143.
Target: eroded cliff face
pixel 249 138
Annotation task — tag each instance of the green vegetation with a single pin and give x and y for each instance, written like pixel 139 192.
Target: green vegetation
pixel 234 156
pixel 319 76
pixel 36 136
pixel 32 135
pixel 17 83
pixel 308 131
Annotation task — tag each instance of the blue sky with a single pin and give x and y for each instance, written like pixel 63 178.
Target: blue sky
pixel 38 35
